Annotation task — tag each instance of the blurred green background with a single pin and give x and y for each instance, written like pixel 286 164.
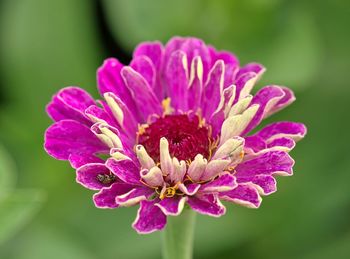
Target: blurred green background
pixel 46 45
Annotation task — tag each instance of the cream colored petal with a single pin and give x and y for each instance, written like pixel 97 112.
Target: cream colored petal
pixel 235 125
pixel 145 160
pixel 197 167
pixel 166 162
pixel 240 106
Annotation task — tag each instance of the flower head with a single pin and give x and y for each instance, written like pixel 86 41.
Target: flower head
pixel 173 129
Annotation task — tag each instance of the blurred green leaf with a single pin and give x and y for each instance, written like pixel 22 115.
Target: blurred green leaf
pixel 7 172
pixel 16 210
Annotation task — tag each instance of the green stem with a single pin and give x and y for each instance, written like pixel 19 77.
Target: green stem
pixel 178 236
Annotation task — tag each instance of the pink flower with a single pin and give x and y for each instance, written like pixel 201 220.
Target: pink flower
pixel 173 126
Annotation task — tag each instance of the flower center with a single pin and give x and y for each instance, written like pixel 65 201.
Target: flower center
pixel 187 136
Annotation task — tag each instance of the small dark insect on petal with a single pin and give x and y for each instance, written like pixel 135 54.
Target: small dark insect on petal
pixel 106 178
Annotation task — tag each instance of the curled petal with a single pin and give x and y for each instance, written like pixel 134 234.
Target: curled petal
pixel 166 162
pixel 97 114
pixel 243 194
pixel 293 130
pixel 134 196
pixel 153 177
pixel 189 189
pixel 197 167
pixel 145 160
pixel 214 168
pixel 149 218
pixel 107 134
pixel 224 182
pixel 208 204
pixel 283 144
pixel 178 172
pixel 105 198
pixel 172 206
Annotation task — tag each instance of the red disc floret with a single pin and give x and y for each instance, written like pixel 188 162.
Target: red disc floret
pixel 186 135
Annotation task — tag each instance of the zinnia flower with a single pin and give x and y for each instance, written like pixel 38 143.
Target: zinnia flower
pixel 173 130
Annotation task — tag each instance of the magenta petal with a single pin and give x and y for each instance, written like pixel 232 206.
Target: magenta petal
pixel 267 97
pixel 145 67
pixel 218 117
pixel 97 114
pixel 231 64
pixel 254 144
pixel 78 160
pixel 128 123
pixel 287 143
pixel 87 176
pixel 109 79
pixel 287 99
pixel 266 184
pixel 70 103
pixel 195 88
pixel 251 67
pixel 152 50
pixel 105 198
pixel 149 218
pixel 68 137
pixel 141 92
pixel 192 47
pixel 292 130
pixel 224 182
pixel 208 204
pixel 273 162
pixel 213 89
pixel 189 189
pixel 243 87
pixel 126 170
pixel 172 206
pixel 176 76
pixel 243 194
pixel 134 196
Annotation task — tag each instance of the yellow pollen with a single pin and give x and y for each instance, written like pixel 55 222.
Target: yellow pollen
pixel 166 105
